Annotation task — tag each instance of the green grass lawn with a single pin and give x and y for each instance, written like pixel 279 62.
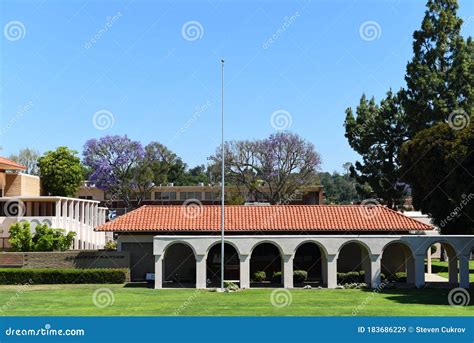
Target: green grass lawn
pixel 68 300
pixel 441 268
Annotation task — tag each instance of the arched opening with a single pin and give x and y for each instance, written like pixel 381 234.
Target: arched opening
pixel 353 264
pixel 398 264
pixel 231 265
pixel 179 266
pixel 311 261
pixel 441 264
pixel 266 266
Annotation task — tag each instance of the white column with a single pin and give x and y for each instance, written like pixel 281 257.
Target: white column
pixel 463 270
pixel 58 209
pixel 244 271
pixel 420 270
pixel 332 271
pixel 375 270
pixel 410 270
pixel 428 261
pixel 324 269
pixel 201 271
pixel 453 268
pixel 158 272
pixel 288 271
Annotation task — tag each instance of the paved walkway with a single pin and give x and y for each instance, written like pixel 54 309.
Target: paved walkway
pixel 434 278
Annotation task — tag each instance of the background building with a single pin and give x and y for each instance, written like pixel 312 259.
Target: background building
pixel 20 201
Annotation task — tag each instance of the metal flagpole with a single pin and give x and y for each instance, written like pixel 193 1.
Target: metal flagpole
pixel 222 180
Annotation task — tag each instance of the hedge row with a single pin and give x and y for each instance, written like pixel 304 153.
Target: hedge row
pixel 13 276
pixel 359 277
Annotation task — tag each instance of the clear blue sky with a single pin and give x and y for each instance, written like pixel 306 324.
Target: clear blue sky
pixel 152 79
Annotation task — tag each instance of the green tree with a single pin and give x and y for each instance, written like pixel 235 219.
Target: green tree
pixel 49 239
pixel 440 77
pixel 439 103
pixel 61 172
pixel 339 188
pixel 20 237
pixel 377 133
pixel 29 158
pixel 444 185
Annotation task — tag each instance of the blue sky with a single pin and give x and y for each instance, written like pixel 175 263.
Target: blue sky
pixel 157 81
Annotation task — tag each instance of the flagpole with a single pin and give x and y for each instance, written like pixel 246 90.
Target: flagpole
pixel 222 178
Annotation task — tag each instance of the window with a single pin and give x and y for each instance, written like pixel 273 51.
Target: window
pixel 209 196
pixel 147 196
pixel 165 196
pixel 191 195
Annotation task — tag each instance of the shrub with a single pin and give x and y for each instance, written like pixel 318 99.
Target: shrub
pixel 13 276
pixel 397 277
pixel 230 286
pixel 350 277
pixel 276 277
pixel 300 276
pixel 259 276
pixel 110 245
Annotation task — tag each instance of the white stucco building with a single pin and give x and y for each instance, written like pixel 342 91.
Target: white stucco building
pixel 180 245
pixel 21 200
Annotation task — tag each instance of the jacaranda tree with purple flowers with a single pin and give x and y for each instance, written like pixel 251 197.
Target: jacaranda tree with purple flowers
pixel 118 167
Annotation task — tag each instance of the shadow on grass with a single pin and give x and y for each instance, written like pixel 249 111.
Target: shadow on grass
pixel 423 296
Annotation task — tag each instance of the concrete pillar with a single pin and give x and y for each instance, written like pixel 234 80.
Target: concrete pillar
pixel 64 208
pixel 244 271
pixel 410 270
pixel 463 270
pixel 29 209
pixel 366 265
pixel 324 269
pixel 58 209
pixel 453 269
pixel 420 271
pixel 158 272
pixel 428 261
pixel 201 267
pixel 375 270
pixel 332 271
pixel 287 271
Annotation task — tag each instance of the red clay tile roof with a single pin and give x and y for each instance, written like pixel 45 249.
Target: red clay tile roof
pixel 263 218
pixel 5 163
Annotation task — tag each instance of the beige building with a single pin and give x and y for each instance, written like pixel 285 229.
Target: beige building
pixel 204 194
pixel 21 200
